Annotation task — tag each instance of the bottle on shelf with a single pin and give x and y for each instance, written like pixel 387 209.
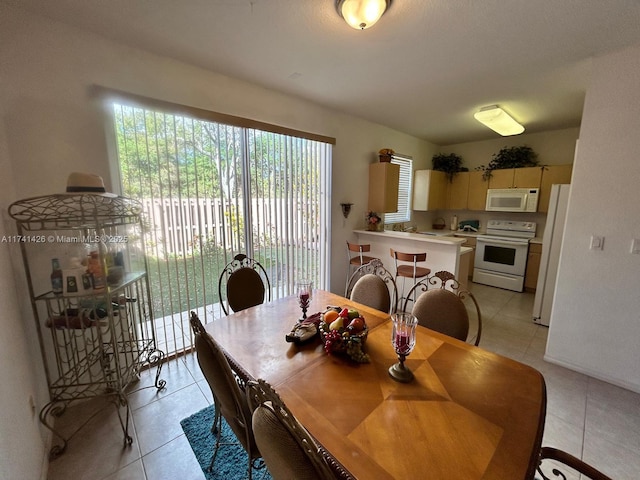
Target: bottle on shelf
pixel 96 270
pixel 56 276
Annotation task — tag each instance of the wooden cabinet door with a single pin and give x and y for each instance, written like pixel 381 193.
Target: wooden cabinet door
pixel 438 190
pixel 533 267
pixel 528 177
pixel 458 192
pixel 552 174
pixel 477 195
pixel 429 190
pixel 384 181
pixel 502 178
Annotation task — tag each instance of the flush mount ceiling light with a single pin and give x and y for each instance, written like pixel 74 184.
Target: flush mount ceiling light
pixel 361 14
pixel 498 120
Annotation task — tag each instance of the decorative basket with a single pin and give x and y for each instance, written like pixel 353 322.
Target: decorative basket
pixel 438 223
pixel 351 344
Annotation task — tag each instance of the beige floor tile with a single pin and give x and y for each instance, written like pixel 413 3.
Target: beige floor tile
pixel 175 460
pixel 613 414
pixel 133 471
pixel 98 449
pixel 559 433
pixel 173 371
pixel 158 423
pixel 620 462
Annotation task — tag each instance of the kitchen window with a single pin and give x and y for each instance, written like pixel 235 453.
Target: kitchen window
pixel 404 191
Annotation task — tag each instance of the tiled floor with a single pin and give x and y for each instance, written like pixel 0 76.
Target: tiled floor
pixel 591 419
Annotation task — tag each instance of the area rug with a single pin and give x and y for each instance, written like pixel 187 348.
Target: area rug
pixel 231 461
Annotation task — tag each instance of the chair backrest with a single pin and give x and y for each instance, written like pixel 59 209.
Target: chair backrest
pixel 408 257
pixel 374 286
pixel 287 448
pixel 440 306
pixel 243 283
pixel 230 399
pixel 412 258
pixel 358 248
pixel 564 458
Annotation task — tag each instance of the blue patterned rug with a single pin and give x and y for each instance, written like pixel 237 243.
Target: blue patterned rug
pixel 231 461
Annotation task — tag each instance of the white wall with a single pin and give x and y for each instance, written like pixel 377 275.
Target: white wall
pixel 22 447
pixel 595 322
pixel 51 126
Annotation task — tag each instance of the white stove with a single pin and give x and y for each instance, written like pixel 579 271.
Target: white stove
pixel 501 254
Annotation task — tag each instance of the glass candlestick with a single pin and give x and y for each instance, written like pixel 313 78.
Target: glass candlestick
pixel 403 339
pixel 305 293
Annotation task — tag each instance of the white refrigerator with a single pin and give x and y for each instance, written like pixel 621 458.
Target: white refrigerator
pixel 551 244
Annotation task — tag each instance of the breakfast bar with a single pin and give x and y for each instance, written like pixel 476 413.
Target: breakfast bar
pixel 443 252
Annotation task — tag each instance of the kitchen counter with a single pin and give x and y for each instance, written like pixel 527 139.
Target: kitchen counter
pixel 420 237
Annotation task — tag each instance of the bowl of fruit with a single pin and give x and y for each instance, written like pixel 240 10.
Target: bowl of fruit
pixel 344 330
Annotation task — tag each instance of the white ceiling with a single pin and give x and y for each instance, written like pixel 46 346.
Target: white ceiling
pixel 424 69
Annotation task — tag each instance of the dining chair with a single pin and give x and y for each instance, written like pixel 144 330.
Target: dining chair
pixel 407 267
pixel 243 283
pixel 356 261
pixel 230 400
pixel 568 460
pixel 288 450
pixel 442 307
pixel 374 286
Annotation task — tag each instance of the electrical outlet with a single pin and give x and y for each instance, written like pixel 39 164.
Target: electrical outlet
pixel 635 246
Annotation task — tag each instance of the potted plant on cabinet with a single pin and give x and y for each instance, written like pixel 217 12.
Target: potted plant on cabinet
pixel 449 163
pixel 510 157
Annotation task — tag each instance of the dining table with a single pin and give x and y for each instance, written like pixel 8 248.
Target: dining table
pixel 467 414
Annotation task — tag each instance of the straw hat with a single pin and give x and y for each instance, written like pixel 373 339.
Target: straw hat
pixel 79 182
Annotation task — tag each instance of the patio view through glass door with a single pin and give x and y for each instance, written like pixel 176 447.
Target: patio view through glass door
pixel 210 191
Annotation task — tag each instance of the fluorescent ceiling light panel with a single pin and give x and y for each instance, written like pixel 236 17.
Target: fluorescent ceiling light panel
pixel 498 120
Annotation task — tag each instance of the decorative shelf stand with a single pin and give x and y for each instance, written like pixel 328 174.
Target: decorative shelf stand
pixel 97 337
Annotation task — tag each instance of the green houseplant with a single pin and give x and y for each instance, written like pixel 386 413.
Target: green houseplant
pixel 510 157
pixel 449 163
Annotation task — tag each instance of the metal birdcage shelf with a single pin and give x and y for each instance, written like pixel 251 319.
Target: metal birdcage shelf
pixel 94 340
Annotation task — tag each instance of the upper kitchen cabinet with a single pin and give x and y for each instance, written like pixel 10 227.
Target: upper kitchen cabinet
pixel 384 181
pixel 552 174
pixel 458 191
pixel 527 177
pixel 429 190
pixel 477 197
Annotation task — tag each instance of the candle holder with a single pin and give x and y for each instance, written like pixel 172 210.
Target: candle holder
pixel 403 339
pixel 305 293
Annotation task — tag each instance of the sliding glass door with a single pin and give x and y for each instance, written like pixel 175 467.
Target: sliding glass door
pixel 211 190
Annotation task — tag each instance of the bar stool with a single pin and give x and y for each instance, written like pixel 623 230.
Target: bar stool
pixel 357 261
pixel 409 271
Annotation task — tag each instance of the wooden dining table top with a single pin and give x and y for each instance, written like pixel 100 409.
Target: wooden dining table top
pixel 468 413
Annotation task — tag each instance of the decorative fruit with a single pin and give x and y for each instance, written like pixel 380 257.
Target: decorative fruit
pixel 337 324
pixel 356 325
pixel 330 316
pixel 344 313
pixel 353 314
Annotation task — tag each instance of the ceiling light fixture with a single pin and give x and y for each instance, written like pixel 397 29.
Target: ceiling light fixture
pixel 498 120
pixel 361 14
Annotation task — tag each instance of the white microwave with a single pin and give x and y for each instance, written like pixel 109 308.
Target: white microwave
pixel 512 200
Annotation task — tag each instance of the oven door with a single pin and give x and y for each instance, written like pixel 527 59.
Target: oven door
pixel 501 255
